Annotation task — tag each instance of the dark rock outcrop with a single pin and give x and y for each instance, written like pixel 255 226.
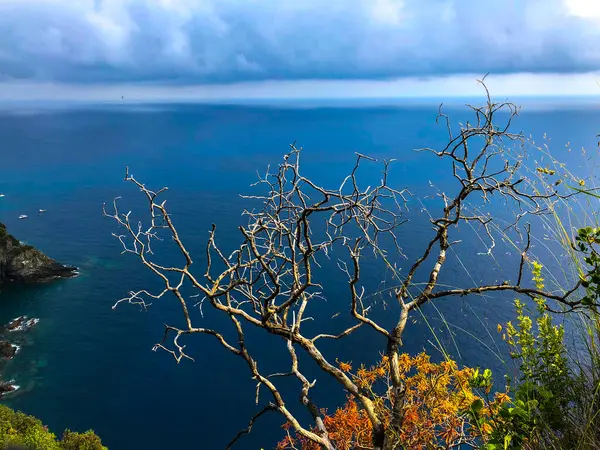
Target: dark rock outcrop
pixel 7 350
pixel 24 263
pixel 6 387
pixel 12 330
pixel 21 323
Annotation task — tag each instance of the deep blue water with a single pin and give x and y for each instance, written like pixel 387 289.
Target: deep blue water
pixel 87 366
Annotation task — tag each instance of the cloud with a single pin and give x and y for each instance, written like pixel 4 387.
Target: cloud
pixel 221 41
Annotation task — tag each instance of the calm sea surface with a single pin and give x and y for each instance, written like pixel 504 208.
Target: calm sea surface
pixel 88 366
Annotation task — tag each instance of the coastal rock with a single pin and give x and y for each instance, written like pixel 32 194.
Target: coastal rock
pixel 21 323
pixel 24 263
pixel 7 386
pixel 7 350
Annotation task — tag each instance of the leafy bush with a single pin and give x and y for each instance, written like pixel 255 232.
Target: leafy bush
pixel 440 407
pixel 585 242
pixel 545 375
pixel 23 432
pixel 554 392
pixel 81 441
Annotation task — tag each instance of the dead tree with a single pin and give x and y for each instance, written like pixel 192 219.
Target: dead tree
pixel 269 281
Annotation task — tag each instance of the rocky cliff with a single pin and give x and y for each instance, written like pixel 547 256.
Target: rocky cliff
pixel 23 263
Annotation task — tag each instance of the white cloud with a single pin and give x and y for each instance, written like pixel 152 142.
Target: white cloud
pixel 584 8
pixel 389 12
pixel 195 41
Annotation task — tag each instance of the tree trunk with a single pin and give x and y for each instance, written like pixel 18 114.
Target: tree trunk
pixel 378 437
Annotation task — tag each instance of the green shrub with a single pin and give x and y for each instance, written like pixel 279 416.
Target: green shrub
pixel 23 432
pixel 553 387
pixel 81 441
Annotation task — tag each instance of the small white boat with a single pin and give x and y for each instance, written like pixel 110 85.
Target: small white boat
pixel 23 216
pixel 42 211
pixel 1 195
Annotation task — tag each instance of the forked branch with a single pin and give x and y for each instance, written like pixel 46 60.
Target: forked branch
pixel 272 281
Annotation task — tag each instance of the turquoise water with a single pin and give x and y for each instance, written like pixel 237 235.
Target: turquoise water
pixel 87 366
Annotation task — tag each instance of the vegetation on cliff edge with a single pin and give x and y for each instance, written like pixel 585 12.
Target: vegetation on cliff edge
pixel 23 432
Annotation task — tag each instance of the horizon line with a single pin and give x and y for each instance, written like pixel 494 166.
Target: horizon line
pixel 517 85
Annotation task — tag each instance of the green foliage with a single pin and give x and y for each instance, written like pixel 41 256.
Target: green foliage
pixel 515 423
pixel 545 385
pixel 18 430
pixel 81 441
pixel 9 242
pixel 586 240
pixel 481 380
pixel 542 353
pixel 505 423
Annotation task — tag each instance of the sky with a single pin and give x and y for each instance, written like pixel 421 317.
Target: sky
pixel 222 49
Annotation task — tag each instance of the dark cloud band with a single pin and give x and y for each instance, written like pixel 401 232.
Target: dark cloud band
pixel 186 41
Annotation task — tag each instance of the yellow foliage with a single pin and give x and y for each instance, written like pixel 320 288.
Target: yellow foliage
pixel 435 409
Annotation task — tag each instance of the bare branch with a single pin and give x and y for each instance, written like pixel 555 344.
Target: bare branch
pixel 272 280
pixel 270 407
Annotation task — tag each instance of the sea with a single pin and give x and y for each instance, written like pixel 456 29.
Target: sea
pixel 86 365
